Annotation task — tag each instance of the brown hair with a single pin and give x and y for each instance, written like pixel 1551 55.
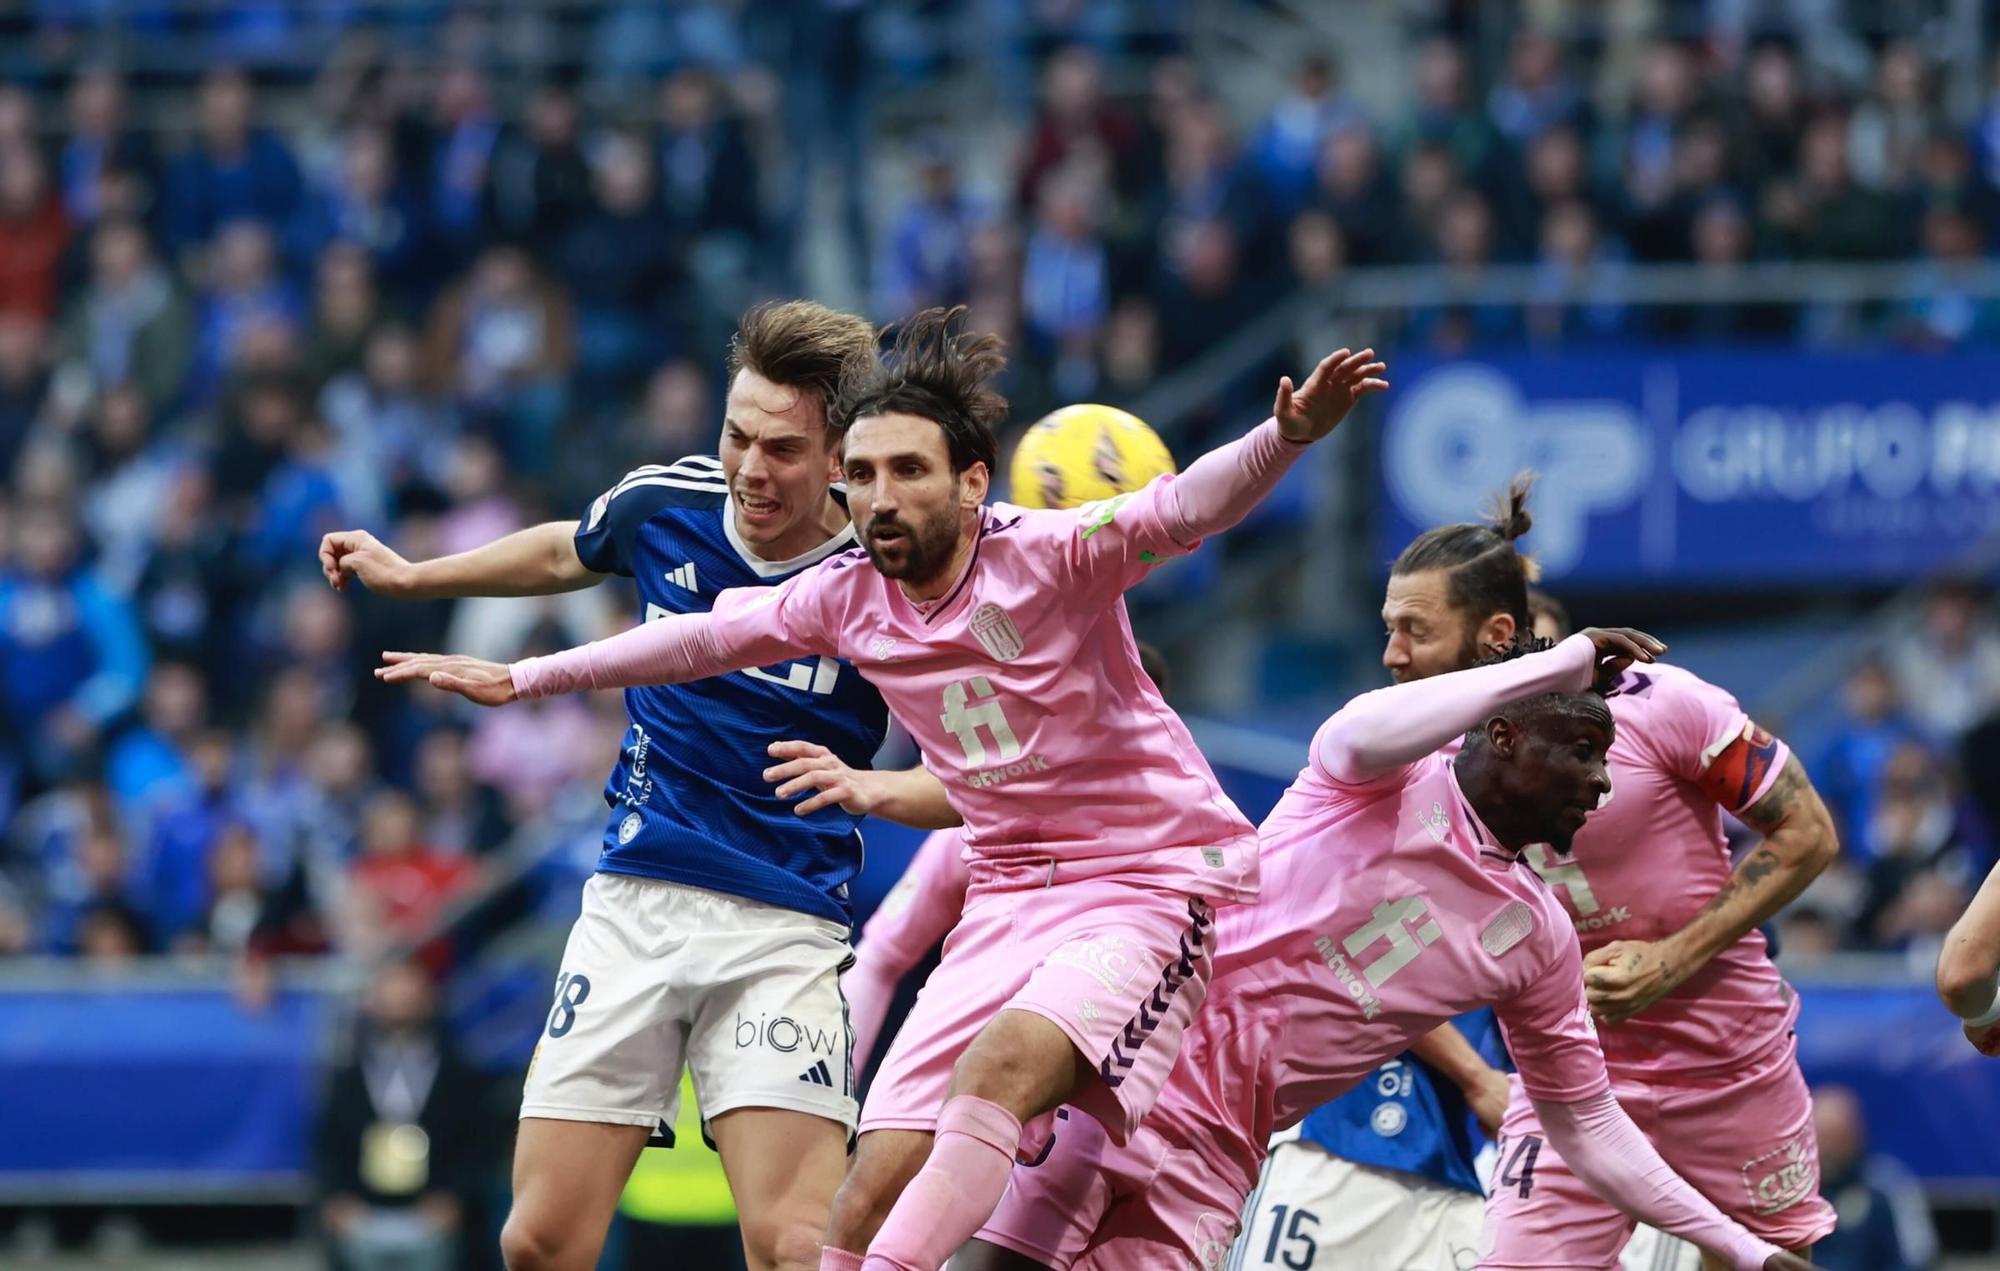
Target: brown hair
pixel 940 372
pixel 1488 573
pixel 802 345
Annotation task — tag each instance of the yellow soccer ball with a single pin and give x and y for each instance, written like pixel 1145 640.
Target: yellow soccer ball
pixel 1080 454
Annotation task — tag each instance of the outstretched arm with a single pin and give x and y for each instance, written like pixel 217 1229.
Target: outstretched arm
pixel 1601 1146
pixel 1221 487
pixel 1969 963
pixel 538 561
pixel 911 797
pixel 1379 732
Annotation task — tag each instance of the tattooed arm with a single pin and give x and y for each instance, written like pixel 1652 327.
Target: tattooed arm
pixel 1626 976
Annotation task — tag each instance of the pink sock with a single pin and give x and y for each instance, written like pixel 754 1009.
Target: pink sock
pixel 832 1259
pixel 955 1192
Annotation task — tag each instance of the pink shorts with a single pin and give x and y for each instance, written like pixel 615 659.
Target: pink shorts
pixel 1093 1205
pixel 1747 1145
pixel 1120 966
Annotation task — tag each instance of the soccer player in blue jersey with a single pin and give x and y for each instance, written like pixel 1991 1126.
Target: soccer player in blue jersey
pixel 715 928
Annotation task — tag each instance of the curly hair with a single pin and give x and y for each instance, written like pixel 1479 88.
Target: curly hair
pixel 937 371
pixel 1588 706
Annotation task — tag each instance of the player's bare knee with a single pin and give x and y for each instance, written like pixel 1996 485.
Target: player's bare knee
pixel 884 1165
pixel 1020 1061
pixel 786 1242
pixel 526 1245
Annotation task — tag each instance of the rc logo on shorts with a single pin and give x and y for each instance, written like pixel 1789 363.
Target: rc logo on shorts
pixel 1783 1176
pixel 1213 1234
pixel 784 1034
pixel 1105 959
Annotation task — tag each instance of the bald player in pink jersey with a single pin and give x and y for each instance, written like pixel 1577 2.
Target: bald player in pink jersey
pixel 1396 898
pixel 998 637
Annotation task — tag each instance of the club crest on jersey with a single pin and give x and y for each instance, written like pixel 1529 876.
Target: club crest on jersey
pixel 628 829
pixel 1509 928
pixel 1389 1119
pixel 1785 1175
pixel 997 633
pixel 1436 822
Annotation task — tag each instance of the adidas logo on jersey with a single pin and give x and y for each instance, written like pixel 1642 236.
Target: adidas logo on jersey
pixel 683 577
pixel 817 1075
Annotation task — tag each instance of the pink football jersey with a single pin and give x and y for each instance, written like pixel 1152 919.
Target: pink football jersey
pixel 1653 855
pixel 1388 908
pixel 1022 687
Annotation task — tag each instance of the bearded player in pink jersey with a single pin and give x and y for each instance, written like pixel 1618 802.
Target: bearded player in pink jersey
pixel 998 637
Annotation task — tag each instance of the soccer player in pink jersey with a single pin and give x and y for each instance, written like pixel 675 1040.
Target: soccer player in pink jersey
pixel 1396 897
pixel 998 637
pixel 1968 974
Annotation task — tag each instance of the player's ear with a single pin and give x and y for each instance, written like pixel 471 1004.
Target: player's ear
pixel 972 485
pixel 1497 632
pixel 1502 735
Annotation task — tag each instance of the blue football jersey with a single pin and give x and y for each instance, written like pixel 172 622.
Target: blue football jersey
pixel 1406 1117
pixel 689 803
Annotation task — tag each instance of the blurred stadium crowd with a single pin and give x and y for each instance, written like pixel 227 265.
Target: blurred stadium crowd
pixel 444 307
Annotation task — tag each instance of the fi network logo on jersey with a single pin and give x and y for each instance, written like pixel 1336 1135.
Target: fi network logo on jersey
pixel 683 577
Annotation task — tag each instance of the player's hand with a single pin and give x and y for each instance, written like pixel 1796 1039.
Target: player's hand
pixel 1618 648
pixel 1627 976
pixel 1985 1040
pixel 1314 409
pixel 810 766
pixel 359 554
pixel 474 679
pixel 1487 1097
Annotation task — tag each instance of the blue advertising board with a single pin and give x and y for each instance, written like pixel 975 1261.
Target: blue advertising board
pixel 1704 467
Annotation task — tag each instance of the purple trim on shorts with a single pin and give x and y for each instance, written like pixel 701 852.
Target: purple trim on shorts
pixel 1194 948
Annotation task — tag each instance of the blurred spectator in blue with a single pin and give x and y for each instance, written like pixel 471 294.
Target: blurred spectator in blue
pixel 24 383
pixel 362 203
pixel 302 500
pixel 1465 248
pixel 1444 113
pixel 1359 196
pixel 187 585
pixel 501 342
pixel 260 416
pixel 1944 310
pixel 1205 292
pixel 622 266
pixel 1774 119
pixel 401 1152
pixel 707 170
pixel 926 258
pixel 130 475
pixel 34 233
pixel 150 764
pixel 1661 229
pixel 1948 671
pixel 1536 93
pixel 1554 172
pixel 1891 127
pixel 1065 278
pixel 1885 1223
pixel 1205 181
pixel 467 132
pixel 72 655
pixel 675 416
pixel 93 882
pixel 1986 126
pixel 233 172
pixel 389 433
pixel 347 311
pixel 273 789
pixel 1576 282
pixel 245 292
pixel 1848 769
pixel 540 184
pixel 1428 180
pixel 1077 122
pixel 1722 238
pixel 1287 148
pixel 183 827
pixel 130 321
pixel 102 146
pixel 1945 180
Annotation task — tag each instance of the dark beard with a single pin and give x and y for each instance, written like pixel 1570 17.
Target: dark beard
pixel 927 550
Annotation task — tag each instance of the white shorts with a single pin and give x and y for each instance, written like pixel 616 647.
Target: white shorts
pixel 1314 1210
pixel 658 975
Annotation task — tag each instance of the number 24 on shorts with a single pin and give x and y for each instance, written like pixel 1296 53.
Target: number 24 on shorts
pixel 571 989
